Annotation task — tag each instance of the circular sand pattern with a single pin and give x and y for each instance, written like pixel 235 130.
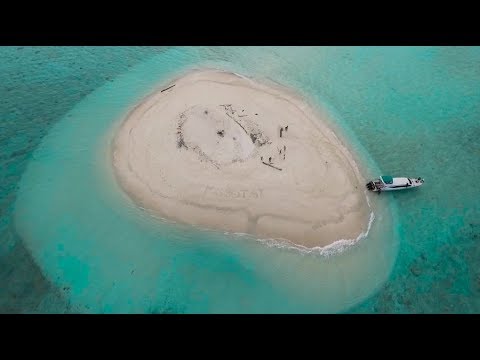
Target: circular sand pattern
pixel 227 143
pixel 213 149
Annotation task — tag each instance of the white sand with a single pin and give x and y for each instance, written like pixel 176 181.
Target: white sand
pixel 171 159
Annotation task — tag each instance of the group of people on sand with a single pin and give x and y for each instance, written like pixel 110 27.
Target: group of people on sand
pixel 279 150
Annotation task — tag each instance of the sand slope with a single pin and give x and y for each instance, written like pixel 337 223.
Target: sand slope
pixel 193 153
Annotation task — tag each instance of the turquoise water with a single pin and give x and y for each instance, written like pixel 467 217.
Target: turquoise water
pixel 70 241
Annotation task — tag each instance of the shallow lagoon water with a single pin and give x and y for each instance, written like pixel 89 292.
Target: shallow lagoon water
pixel 94 251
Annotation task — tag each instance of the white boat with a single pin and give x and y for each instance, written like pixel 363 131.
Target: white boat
pixel 389 183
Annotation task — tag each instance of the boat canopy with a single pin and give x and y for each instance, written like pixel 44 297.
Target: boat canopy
pixel 387 179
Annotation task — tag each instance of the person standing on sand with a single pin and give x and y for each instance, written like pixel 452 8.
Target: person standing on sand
pixel 281 131
pixel 270 159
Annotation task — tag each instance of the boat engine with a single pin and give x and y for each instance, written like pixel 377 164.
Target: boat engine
pixel 370 185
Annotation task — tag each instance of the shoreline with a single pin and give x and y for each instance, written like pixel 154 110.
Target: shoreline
pixel 155 192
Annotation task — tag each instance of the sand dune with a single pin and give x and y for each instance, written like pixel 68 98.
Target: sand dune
pixel 199 153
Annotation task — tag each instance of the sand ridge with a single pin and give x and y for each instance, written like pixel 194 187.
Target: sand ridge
pixel 206 150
